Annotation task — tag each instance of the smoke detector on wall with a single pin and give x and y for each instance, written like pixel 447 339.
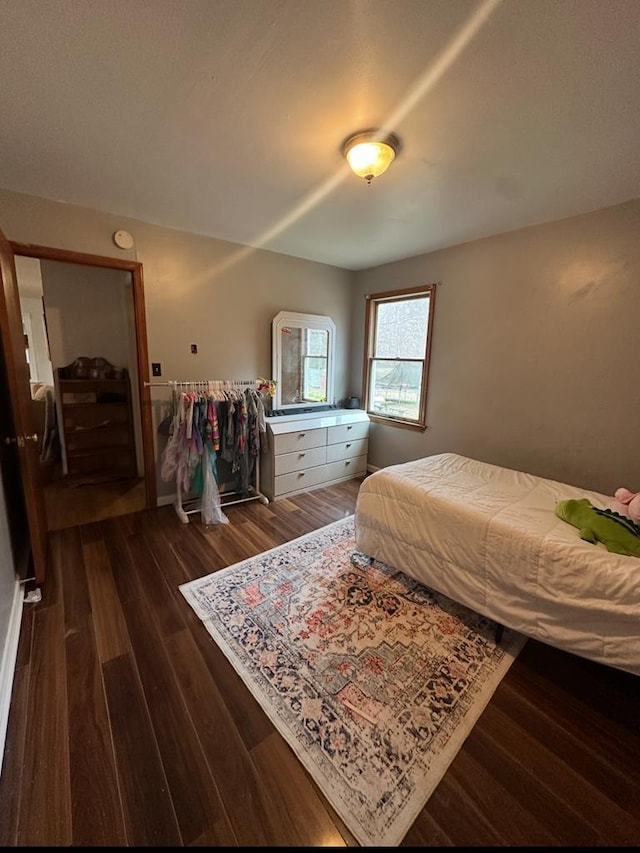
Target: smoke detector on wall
pixel 123 240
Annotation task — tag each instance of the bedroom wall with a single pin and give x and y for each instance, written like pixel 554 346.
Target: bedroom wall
pixel 198 290
pixel 85 312
pixel 534 363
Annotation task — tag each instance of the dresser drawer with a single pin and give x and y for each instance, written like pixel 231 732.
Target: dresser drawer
pixel 289 442
pixel 347 450
pixel 345 468
pixel 298 481
pixel 285 463
pixel 347 432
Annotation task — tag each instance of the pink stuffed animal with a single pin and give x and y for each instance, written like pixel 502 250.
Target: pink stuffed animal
pixel 627 503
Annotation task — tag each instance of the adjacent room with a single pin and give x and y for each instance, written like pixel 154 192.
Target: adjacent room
pixel 319 495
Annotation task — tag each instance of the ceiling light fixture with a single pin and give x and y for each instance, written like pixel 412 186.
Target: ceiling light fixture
pixel 370 153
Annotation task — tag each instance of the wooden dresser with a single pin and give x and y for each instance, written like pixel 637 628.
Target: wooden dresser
pixel 97 435
pixel 308 451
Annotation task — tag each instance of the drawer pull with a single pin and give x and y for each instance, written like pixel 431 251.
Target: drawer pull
pixel 301 435
pixel 348 445
pixel 348 462
pixel 301 473
pixel 300 455
pixel 349 427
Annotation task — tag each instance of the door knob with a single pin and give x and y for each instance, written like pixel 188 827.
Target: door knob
pixel 20 439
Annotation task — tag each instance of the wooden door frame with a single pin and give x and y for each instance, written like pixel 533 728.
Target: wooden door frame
pixel 48 253
pixel 21 421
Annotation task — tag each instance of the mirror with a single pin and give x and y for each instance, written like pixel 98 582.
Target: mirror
pixel 303 348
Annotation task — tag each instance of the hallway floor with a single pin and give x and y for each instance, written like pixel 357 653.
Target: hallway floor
pixel 68 505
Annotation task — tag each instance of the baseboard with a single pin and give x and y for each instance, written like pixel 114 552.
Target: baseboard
pixel 165 500
pixel 8 665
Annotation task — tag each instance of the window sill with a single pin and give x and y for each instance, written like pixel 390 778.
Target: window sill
pixel 397 422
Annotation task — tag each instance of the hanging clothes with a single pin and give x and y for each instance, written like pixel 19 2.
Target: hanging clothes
pixel 218 420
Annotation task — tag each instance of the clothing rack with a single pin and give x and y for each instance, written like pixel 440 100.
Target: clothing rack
pixel 197 384
pixel 185 507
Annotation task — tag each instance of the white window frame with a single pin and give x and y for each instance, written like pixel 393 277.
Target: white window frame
pixel 373 301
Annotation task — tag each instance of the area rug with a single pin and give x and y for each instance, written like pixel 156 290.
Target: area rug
pixel 373 679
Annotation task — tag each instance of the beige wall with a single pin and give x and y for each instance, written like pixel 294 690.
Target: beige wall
pixel 85 312
pixel 534 362
pixel 217 295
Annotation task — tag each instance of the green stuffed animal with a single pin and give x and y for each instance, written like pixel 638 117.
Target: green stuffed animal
pixel 618 534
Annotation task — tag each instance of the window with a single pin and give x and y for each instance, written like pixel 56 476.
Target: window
pixel 397 347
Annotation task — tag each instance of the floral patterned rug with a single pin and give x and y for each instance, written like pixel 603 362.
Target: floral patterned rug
pixel 373 679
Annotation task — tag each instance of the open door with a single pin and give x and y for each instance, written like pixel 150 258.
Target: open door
pixel 19 445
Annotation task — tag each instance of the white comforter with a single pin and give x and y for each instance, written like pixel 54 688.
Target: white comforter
pixel 489 538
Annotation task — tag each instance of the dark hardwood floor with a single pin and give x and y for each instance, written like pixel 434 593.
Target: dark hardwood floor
pixel 129 727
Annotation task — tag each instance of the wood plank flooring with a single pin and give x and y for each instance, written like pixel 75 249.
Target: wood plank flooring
pixel 70 502
pixel 128 726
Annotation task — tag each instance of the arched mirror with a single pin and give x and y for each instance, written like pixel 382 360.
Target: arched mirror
pixel 303 347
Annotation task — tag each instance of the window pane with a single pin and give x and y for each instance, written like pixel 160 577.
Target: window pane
pixel 314 380
pixel 317 342
pixel 395 388
pixel 401 328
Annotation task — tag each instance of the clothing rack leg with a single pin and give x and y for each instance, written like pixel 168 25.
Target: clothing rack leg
pixel 262 498
pixel 177 505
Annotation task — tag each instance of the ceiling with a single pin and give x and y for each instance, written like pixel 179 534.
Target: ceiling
pixel 225 117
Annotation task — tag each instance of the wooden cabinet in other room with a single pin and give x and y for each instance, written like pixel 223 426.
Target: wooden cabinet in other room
pixel 96 422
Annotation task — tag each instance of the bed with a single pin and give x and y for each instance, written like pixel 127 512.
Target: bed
pixel 488 537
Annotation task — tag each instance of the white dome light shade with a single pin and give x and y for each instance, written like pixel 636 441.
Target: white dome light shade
pixel 370 153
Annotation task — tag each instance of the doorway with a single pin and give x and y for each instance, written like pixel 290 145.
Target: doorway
pixel 84 315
